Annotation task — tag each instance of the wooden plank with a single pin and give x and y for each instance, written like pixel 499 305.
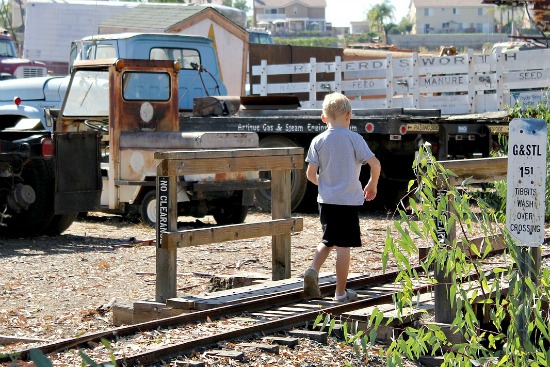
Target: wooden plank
pixel 231 153
pixel 188 166
pixel 239 356
pixel 123 314
pixel 166 256
pixel 280 208
pixel 283 340
pixel 147 311
pixel 478 170
pixel 267 348
pixel 198 237
pixel 318 336
pixel 480 243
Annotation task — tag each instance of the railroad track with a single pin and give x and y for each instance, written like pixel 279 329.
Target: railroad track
pixel 268 314
pixel 243 319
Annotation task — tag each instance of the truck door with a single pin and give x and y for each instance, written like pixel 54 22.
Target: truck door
pixel 77 170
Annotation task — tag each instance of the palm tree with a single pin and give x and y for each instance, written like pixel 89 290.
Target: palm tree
pixel 379 14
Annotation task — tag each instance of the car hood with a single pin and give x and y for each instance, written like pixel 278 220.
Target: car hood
pixel 50 88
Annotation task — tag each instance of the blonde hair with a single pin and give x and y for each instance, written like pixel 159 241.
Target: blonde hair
pixel 336 104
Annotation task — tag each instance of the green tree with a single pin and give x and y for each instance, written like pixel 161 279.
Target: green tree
pixel 378 15
pixel 404 26
pixel 5 19
pixel 241 4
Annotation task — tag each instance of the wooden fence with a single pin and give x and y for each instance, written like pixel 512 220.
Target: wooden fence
pixel 460 84
pixel 280 161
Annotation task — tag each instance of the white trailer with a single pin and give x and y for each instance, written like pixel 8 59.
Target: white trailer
pixel 51 26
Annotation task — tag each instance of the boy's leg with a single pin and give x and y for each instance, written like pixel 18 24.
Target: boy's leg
pixel 320 256
pixel 342 268
pixel 311 276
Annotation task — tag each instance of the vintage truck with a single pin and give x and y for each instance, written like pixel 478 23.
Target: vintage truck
pixel 11 66
pixel 98 153
pixel 133 105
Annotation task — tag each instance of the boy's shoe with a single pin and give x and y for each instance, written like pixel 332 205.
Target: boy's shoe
pixel 351 295
pixel 311 284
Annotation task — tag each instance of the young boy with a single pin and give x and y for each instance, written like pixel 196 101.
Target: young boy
pixel 334 162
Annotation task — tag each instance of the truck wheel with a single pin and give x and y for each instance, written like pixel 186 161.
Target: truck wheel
pixel 298 179
pixel 230 214
pixel 60 223
pixel 148 208
pixel 38 174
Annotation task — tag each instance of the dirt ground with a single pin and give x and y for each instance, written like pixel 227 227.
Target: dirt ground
pixel 61 287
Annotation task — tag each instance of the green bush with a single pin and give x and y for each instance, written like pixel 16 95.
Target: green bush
pixel 518 333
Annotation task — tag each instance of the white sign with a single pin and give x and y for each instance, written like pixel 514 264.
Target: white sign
pixel 525 203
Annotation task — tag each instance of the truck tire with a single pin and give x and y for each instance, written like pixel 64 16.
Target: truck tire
pixel 148 208
pixel 230 214
pixel 60 223
pixel 298 178
pixel 39 174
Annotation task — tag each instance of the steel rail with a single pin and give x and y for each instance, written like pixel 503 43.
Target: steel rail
pixel 267 327
pixel 252 304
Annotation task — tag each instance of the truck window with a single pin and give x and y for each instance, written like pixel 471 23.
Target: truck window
pixel 187 57
pixel 98 51
pixel 7 49
pixel 88 94
pixel 139 86
pixel 264 37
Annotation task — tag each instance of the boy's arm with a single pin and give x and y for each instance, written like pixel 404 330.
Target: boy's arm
pixel 311 173
pixel 370 189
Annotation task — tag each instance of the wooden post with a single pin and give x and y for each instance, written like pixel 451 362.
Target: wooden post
pixel 529 261
pixel 444 312
pixel 280 209
pixel 167 221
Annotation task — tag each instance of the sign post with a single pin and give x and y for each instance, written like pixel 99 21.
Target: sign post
pixel 525 201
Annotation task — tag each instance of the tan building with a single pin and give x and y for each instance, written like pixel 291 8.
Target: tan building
pixel 290 15
pixel 446 16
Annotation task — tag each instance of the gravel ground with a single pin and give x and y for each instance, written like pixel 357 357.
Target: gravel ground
pixel 61 287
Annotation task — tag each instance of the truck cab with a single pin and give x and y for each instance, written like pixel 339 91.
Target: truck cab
pixel 199 75
pixel 11 66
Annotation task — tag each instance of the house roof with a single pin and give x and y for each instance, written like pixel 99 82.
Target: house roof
pixel 155 16
pixel 285 3
pixel 448 3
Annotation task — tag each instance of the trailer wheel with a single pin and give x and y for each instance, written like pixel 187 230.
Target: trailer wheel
pixel 298 178
pixel 60 223
pixel 148 208
pixel 39 174
pixel 230 214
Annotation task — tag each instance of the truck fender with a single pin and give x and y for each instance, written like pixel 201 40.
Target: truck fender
pixel 24 112
pixel 143 190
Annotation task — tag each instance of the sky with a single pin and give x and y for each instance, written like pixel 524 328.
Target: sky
pixel 342 12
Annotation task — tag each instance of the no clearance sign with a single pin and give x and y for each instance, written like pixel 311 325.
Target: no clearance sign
pixel 525 202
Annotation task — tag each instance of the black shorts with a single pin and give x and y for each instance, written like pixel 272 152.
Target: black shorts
pixel 340 225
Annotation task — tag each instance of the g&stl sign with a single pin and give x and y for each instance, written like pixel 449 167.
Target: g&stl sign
pixel 525 204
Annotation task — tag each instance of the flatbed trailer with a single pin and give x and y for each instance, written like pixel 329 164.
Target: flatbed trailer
pixel 394 134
